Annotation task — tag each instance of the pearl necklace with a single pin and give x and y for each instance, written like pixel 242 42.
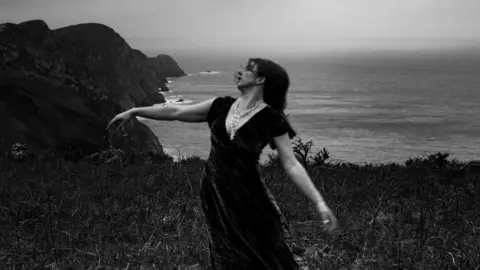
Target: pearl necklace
pixel 237 116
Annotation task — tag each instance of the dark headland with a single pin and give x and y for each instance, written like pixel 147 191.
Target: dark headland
pixel 59 88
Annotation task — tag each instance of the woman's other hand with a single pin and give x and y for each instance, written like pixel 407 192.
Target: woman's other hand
pixel 329 220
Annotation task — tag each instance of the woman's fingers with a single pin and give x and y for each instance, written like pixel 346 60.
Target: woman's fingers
pixel 113 121
pixel 330 222
pixel 110 123
pixel 333 224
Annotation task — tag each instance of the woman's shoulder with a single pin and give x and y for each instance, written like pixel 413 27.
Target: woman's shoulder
pixel 219 106
pixel 227 100
pixel 278 123
pixel 272 113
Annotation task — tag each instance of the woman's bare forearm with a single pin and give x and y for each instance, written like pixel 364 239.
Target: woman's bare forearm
pixel 300 177
pixel 162 112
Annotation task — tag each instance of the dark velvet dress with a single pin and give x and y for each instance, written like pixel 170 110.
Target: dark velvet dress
pixel 245 227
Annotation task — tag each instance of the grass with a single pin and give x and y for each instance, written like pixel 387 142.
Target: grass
pixel 143 213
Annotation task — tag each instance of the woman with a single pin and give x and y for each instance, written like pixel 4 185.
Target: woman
pixel 245 226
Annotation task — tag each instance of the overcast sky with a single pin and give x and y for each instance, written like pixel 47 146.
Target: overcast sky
pixel 274 25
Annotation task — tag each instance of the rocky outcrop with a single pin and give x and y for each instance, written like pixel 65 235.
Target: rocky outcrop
pixel 166 65
pixel 59 88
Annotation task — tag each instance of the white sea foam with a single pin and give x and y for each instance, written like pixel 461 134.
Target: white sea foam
pixel 209 72
pixel 165 92
pixel 178 101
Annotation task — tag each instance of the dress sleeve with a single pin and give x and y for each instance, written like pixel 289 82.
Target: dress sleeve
pixel 217 107
pixel 213 111
pixel 280 126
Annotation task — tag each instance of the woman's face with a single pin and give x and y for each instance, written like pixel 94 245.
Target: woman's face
pixel 246 76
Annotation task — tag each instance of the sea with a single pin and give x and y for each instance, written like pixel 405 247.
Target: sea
pixel 367 107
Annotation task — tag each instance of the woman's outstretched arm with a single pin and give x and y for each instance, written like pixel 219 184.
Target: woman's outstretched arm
pixel 171 112
pixel 299 176
pixel 168 112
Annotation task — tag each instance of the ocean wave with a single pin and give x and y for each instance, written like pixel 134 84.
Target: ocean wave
pixel 163 92
pixel 178 101
pixel 209 72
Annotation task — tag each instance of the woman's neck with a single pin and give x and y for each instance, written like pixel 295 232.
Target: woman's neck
pixel 248 99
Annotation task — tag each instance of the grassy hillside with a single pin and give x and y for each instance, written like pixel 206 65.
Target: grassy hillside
pixel 117 211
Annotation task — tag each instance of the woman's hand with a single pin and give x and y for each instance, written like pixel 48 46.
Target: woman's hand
pixel 121 117
pixel 329 220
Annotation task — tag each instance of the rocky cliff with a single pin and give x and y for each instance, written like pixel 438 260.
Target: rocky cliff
pixel 167 66
pixel 59 88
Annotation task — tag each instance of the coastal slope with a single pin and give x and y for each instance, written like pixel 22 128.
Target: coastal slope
pixel 59 88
